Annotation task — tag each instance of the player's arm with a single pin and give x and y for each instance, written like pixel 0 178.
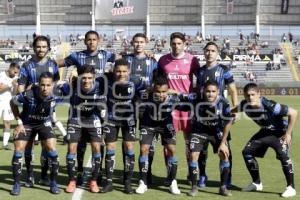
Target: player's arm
pixel 233 94
pixel 15 110
pixel 292 116
pixel 223 145
pixel 4 87
pixel 60 63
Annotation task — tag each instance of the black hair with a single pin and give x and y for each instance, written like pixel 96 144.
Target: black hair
pixel 211 43
pixel 46 75
pixel 91 32
pixel 14 65
pixel 142 35
pixel 120 62
pixel 177 35
pixel 251 86
pixel 160 79
pixel 41 38
pixel 86 69
pixel 209 83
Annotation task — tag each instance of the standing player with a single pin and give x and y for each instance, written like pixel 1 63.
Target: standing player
pixel 93 57
pixel 29 76
pixel 38 105
pixel 120 105
pixel 157 119
pixel 7 87
pixel 221 74
pixel 141 72
pixel 275 132
pixel 180 66
pixel 86 103
pixel 212 123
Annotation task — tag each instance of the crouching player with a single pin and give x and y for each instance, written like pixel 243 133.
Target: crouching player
pixel 87 101
pixel 211 125
pixel 38 105
pixel 275 132
pixel 157 119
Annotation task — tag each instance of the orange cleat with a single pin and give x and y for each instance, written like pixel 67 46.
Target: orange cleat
pixel 71 187
pixel 94 187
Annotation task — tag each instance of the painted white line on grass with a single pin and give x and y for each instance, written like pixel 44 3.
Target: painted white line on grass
pixel 79 191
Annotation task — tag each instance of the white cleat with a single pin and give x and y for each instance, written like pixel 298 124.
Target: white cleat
pixel 142 188
pixel 289 192
pixel 174 188
pixel 253 187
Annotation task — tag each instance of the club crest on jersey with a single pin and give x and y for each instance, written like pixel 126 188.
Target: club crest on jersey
pixel 148 62
pixel 176 68
pixel 185 61
pixel 217 73
pixel 51 70
pixel 130 90
pixel 100 56
pixel 52 104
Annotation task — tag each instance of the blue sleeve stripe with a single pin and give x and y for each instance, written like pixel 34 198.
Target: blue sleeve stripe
pixel 277 109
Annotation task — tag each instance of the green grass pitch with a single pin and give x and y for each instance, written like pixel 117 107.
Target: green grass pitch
pixel 271 173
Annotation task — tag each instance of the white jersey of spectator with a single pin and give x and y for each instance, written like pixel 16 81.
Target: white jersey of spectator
pixel 6 96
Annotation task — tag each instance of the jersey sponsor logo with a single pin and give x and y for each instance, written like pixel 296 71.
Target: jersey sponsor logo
pixel 51 70
pixel 175 76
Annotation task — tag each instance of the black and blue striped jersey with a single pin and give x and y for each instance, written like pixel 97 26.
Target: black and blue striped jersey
pixel 211 118
pixel 85 106
pixel 269 116
pixel 31 71
pixel 36 110
pixel 141 69
pixel 121 101
pixel 97 59
pixel 219 73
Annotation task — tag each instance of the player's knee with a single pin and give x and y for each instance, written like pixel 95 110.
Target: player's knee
pixel 246 152
pixel 144 149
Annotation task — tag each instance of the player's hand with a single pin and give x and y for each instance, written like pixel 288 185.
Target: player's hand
pixel 287 139
pixel 149 54
pixel 223 148
pixel 19 130
pixel 235 117
pixel 29 87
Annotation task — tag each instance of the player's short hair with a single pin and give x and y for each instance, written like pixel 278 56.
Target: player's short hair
pixel 46 75
pixel 91 32
pixel 209 83
pixel 86 69
pixel 209 44
pixel 177 35
pixel 121 62
pixel 14 65
pixel 41 38
pixel 142 35
pixel 251 86
pixel 160 79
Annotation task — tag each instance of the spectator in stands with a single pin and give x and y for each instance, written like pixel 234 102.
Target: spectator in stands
pixel 290 37
pixel 264 44
pixel 283 38
pixel 227 43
